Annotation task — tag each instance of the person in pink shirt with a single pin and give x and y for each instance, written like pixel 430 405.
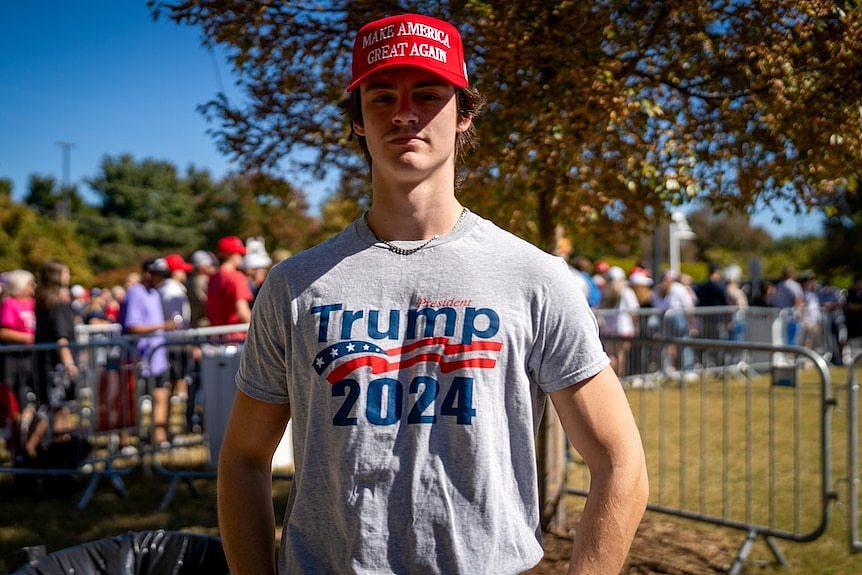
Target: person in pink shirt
pixel 18 327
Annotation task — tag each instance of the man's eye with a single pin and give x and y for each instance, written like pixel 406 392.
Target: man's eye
pixel 429 97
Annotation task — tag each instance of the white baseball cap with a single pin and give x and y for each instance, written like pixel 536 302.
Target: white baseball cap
pixel 616 273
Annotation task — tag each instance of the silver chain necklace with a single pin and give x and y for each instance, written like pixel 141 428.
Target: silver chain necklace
pixel 406 252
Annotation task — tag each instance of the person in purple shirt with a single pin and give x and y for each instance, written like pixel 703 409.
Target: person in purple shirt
pixel 143 315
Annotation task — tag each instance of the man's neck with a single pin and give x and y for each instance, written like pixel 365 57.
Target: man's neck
pixel 413 211
pixel 412 218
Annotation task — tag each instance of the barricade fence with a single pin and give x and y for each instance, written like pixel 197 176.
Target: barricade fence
pixel 853 455
pixel 99 422
pixel 743 448
pixel 58 422
pixel 825 334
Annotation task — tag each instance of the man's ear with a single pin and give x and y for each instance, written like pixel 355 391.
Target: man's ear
pixel 358 129
pixel 464 123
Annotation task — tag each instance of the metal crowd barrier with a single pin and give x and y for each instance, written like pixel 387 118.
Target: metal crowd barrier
pixel 743 449
pixel 79 417
pixel 113 413
pixel 855 491
pixel 732 323
pixel 208 359
pixel 762 325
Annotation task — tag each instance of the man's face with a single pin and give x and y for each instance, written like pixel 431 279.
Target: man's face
pixel 410 122
pixel 152 280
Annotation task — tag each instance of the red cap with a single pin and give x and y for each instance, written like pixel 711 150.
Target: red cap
pixel 409 40
pixel 176 263
pixel 231 245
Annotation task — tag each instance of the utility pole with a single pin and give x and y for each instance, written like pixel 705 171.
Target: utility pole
pixel 65 206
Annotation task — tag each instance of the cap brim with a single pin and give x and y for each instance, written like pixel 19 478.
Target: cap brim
pixel 445 75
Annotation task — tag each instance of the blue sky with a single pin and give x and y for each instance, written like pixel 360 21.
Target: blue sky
pixel 105 77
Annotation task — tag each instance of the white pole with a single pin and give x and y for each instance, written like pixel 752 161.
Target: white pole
pixel 678 230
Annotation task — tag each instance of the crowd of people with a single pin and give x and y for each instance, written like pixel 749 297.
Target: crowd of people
pixel 817 315
pixel 168 293
pixel 218 288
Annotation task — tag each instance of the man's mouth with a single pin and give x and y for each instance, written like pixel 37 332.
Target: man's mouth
pixel 404 139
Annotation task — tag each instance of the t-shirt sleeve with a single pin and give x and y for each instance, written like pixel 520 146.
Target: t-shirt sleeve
pixel 567 348
pixel 64 321
pixel 243 291
pixel 134 315
pixel 263 370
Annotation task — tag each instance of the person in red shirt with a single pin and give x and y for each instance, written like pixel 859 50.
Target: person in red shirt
pixel 228 295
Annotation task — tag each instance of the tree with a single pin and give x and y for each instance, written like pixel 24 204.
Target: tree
pixel 841 252
pixel 725 238
pixel 601 114
pixel 147 203
pixel 48 198
pixel 256 204
pixel 349 201
pixel 147 193
pixel 28 239
pixel 145 208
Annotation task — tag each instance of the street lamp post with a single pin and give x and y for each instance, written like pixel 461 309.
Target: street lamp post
pixel 679 230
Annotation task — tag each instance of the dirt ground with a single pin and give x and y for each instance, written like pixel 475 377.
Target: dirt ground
pixel 660 547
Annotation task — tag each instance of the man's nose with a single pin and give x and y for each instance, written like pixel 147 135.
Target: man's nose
pixel 406 112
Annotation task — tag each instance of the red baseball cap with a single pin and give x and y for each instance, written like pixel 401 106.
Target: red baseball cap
pixel 231 245
pixel 176 263
pixel 410 40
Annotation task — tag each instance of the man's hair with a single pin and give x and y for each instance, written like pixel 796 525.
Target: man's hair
pixel 469 103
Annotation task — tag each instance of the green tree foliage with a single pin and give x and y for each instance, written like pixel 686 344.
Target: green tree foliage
pixel 349 202
pixel 145 208
pixel 255 204
pixel 601 114
pixel 28 239
pixel 801 253
pixel 150 196
pixel 43 194
pixel 49 198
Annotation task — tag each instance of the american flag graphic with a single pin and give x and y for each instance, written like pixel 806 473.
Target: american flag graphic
pixel 345 357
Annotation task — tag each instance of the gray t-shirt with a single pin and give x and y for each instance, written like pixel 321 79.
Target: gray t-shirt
pixel 416 389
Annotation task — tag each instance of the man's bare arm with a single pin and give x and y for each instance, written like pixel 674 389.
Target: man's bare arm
pixel 243 310
pixel 245 514
pixel 598 422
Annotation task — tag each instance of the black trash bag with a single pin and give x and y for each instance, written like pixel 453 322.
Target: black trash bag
pixel 136 553
pixel 66 453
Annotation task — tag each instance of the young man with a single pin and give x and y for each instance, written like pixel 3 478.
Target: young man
pixel 228 295
pixel 143 314
pixel 413 353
